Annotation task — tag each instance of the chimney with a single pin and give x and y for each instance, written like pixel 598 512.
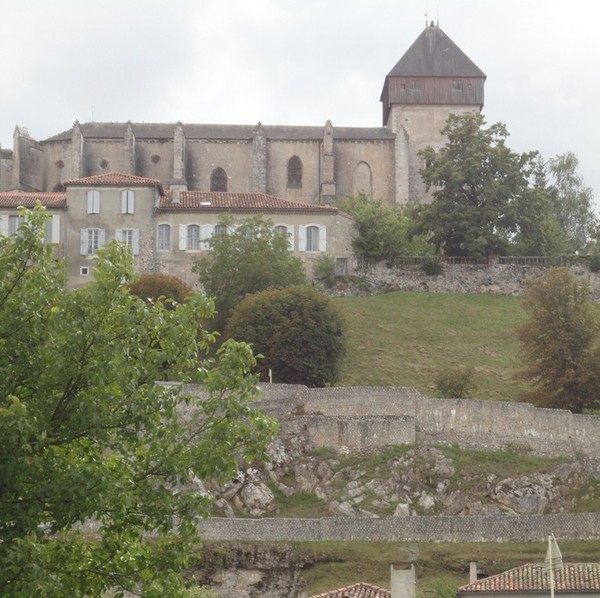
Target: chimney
pixel 472 571
pixel 403 581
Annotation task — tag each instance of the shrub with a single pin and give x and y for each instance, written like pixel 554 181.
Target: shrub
pixel 151 287
pixel 324 270
pixel 298 331
pixel 456 383
pixel 594 263
pixel 432 266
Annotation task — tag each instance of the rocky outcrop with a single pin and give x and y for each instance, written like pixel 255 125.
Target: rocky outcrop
pixel 416 481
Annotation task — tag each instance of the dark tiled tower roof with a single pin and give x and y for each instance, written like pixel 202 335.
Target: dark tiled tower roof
pixel 434 54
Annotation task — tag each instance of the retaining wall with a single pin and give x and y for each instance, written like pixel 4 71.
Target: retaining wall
pixel 493 528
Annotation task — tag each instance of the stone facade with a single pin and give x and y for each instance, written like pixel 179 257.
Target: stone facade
pixel 168 230
pixel 308 164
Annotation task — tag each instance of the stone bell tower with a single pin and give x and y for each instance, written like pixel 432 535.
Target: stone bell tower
pixel 433 79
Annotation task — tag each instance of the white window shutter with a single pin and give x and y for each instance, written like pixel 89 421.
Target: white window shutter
pixel 322 238
pixel 182 237
pixel 119 235
pixel 83 241
pixel 55 234
pixel 101 237
pixel 302 238
pixel 135 241
pixel 123 202
pixel 131 202
pixel 4 226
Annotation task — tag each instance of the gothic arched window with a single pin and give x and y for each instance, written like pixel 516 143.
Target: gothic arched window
pixel 294 172
pixel 218 180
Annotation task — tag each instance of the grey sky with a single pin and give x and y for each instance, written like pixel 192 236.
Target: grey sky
pixel 293 62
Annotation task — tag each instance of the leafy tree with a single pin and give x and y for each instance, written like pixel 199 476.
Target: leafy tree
pixel 560 343
pixel 86 434
pixel 250 257
pixel 298 331
pixel 153 287
pixel 383 233
pixel 456 383
pixel 479 186
pixel 571 200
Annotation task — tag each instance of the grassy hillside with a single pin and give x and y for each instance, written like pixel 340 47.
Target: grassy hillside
pixel 407 338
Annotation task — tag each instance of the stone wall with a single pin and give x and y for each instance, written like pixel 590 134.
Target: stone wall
pixel 368 418
pixel 492 528
pixel 495 278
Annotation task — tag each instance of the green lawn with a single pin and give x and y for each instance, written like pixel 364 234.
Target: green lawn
pixel 408 338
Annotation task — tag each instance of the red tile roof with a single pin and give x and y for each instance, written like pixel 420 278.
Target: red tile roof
pixel 211 201
pixel 573 577
pixel 116 178
pixel 16 199
pixel 358 590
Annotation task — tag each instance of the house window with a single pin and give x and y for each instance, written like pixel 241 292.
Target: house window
pixel 84 271
pixel 341 266
pixel 312 238
pixel 294 172
pixel 287 232
pixel 93 202
pixel 220 229
pixel 457 85
pixel 127 199
pixel 218 180
pixel 193 237
pixel 129 237
pixel 13 224
pixel 164 237
pixel 415 85
pixel 91 240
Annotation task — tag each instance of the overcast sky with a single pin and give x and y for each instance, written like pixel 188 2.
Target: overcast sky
pixel 297 62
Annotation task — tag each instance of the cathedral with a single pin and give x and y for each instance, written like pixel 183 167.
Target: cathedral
pixel 295 174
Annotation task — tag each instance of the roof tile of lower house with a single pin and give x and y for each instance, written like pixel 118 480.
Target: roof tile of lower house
pixel 572 577
pixel 17 199
pixel 115 178
pixel 213 201
pixel 357 590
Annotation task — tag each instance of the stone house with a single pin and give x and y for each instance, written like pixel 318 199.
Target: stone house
pixel 306 164
pixel 168 230
pixel 529 581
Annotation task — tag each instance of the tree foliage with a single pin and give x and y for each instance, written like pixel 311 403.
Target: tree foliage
pixel 298 331
pixel 571 201
pixel 86 434
pixel 250 257
pixel 560 343
pixel 479 189
pixel 383 233
pixel 155 287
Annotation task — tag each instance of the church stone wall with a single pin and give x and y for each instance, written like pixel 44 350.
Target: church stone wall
pixel 235 157
pixel 378 155
pixel 100 156
pixel 154 158
pixel 278 154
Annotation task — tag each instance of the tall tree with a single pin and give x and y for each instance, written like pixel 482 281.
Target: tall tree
pixel 571 200
pixel 477 183
pixel 249 258
pixel 298 331
pixel 560 343
pixel 383 233
pixel 86 434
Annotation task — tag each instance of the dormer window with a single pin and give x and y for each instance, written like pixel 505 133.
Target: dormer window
pixel 127 201
pixel 457 85
pixel 93 202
